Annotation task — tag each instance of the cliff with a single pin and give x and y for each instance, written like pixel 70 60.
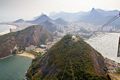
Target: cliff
pixel 69 59
pixel 33 35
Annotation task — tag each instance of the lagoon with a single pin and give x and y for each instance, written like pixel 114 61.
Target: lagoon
pixel 14 67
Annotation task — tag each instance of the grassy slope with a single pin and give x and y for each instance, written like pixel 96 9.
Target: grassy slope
pixel 66 60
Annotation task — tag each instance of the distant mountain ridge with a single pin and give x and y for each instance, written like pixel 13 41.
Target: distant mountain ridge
pixel 58 21
pixel 46 22
pixel 41 19
pixel 94 16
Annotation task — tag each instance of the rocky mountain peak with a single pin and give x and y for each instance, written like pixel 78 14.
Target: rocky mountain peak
pixel 42 18
pixel 70 59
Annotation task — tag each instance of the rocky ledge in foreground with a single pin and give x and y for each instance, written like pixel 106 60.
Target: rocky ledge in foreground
pixel 69 59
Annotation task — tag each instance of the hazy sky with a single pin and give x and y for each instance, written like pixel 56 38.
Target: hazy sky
pixel 13 9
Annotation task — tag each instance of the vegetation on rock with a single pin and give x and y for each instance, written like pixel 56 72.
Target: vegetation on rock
pixel 69 59
pixel 33 35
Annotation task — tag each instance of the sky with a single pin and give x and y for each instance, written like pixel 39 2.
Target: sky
pixel 27 9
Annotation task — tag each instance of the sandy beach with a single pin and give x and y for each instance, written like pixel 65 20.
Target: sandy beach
pixel 114 76
pixel 26 54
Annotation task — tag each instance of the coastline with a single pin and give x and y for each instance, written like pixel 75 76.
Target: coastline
pixel 26 54
pixel 13 63
pixel 6 57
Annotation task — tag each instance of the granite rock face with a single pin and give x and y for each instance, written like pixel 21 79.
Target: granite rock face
pixel 33 35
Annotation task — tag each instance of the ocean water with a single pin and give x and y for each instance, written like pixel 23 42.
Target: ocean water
pixel 14 67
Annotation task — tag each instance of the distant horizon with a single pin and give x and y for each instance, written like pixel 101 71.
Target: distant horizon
pixel 27 9
pixel 48 14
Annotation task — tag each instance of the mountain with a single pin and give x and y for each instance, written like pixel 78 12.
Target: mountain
pixel 19 21
pixel 69 59
pixel 61 21
pixel 33 35
pixel 47 23
pixel 100 17
pixel 49 26
pixel 20 24
pixel 41 19
pixel 94 16
pixel 69 17
pixel 107 13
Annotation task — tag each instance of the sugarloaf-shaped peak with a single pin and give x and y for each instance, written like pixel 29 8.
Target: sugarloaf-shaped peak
pixel 69 59
pixel 42 18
